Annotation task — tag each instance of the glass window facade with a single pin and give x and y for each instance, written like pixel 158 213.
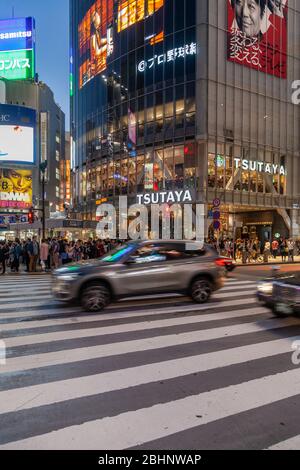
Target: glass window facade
pixel 162 100
pixel 133 107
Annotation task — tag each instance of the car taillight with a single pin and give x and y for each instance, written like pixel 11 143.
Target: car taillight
pixel 220 262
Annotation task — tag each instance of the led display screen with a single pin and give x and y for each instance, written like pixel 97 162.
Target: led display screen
pixel 97 31
pixel 94 40
pixel 17 134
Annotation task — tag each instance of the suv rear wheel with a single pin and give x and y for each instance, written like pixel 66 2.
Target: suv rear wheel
pixel 201 290
pixel 95 297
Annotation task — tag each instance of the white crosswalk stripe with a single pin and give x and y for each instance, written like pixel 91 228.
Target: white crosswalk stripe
pixel 93 381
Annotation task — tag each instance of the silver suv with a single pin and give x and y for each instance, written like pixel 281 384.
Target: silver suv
pixel 141 268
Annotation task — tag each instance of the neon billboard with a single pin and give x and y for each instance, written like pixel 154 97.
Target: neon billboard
pixel 17 48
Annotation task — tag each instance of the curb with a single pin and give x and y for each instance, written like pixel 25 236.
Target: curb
pixel 267 264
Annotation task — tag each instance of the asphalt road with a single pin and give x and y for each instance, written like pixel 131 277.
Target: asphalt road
pixel 158 373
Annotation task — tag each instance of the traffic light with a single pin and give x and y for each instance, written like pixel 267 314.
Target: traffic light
pixel 31 216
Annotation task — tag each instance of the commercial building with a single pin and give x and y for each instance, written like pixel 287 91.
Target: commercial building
pixel 172 95
pixel 33 131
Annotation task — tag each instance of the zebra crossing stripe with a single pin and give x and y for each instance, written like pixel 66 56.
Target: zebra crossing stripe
pixel 75 354
pixel 289 444
pixel 121 309
pixel 138 427
pixel 31 325
pixel 140 327
pixel 45 394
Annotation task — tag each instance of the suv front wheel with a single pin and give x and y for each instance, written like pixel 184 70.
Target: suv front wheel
pixel 201 290
pixel 95 297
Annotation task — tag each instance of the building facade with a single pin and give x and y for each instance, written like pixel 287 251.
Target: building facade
pixel 173 95
pixel 50 133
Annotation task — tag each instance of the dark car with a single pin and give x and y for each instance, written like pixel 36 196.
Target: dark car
pixel 281 293
pixel 141 268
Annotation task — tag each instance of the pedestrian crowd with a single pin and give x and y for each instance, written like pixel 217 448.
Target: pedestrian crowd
pixel 255 251
pixel 50 254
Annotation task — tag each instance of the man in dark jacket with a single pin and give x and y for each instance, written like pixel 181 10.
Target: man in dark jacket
pixel 3 256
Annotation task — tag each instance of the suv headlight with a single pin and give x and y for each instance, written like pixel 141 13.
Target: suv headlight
pixel 265 288
pixel 67 277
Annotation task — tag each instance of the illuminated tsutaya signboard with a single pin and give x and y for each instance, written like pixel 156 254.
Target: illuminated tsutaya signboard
pixel 170 56
pixel 17 48
pixel 166 197
pixel 261 167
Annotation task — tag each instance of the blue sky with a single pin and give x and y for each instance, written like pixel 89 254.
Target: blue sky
pixel 52 47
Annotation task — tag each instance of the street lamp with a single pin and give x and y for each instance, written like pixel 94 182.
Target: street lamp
pixel 43 168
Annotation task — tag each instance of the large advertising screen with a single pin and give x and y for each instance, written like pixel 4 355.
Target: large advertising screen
pixel 95 40
pixel 15 188
pixel 17 135
pixel 97 31
pixel 131 12
pixel 17 48
pixel 257 34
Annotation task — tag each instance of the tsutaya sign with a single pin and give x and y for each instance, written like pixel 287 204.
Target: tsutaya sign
pixel 261 167
pixel 166 197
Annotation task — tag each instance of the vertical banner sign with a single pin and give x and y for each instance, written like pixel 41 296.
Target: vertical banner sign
pixel 44 139
pixel 17 48
pixel 131 127
pixel 257 35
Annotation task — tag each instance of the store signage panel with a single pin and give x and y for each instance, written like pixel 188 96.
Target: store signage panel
pixel 261 167
pixel 166 197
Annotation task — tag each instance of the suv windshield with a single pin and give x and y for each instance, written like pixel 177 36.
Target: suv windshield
pixel 116 255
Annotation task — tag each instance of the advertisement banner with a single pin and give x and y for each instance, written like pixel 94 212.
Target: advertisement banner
pixel 17 134
pixel 6 219
pixel 257 35
pixel 17 48
pixel 95 40
pixel 17 65
pixel 97 32
pixel 131 12
pixel 15 189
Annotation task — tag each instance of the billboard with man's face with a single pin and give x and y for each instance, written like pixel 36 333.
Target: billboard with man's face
pixel 15 188
pixel 257 34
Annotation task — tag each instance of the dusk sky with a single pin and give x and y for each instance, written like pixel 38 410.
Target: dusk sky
pixel 52 42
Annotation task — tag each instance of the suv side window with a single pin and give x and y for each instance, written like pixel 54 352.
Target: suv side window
pixel 179 252
pixel 148 254
pixel 160 252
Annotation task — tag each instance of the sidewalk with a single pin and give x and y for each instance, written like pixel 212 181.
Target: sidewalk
pixel 272 261
pixel 24 273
